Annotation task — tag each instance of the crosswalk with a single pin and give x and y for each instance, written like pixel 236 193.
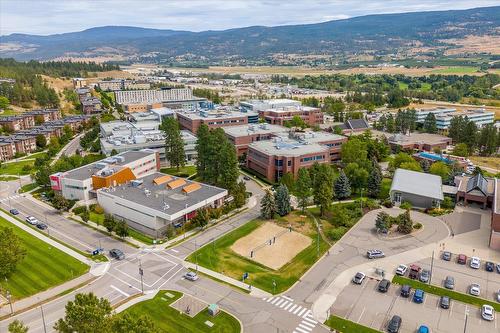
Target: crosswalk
pixel 285 303
pixel 12 197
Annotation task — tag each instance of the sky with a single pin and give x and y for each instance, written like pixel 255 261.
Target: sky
pixel 44 17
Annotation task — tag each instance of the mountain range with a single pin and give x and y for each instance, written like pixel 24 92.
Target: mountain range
pixel 373 35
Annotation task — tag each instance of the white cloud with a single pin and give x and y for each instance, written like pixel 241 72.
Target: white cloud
pixel 57 16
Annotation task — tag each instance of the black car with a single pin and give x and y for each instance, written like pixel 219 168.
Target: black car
pixel 405 291
pixel 246 178
pixel 118 254
pixel 383 285
pixel 489 266
pixel 394 324
pixel 14 211
pixel 41 226
pixel 444 302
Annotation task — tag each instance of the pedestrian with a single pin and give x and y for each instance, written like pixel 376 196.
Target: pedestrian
pixel 249 287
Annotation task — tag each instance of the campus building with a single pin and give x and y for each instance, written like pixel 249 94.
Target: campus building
pixel 290 152
pixel 81 183
pixel 151 203
pixel 243 135
pixel 417 141
pixel 279 111
pixel 122 84
pixel 495 218
pixel 191 120
pixel 444 116
pixel 421 189
pixel 257 105
pixel 153 96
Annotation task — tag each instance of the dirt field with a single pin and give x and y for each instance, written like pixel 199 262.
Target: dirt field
pixel 274 256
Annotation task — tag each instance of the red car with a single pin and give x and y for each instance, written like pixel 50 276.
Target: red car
pixel 414 271
pixel 462 259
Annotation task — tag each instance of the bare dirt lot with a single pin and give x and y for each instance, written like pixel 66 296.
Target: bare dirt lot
pixel 281 250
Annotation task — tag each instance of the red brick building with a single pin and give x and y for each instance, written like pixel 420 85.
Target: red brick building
pixel 192 120
pixel 310 115
pixel 243 135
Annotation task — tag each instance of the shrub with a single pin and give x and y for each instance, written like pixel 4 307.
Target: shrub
pixel 388 203
pixel 98 209
pixel 371 204
pixel 447 203
pixel 337 233
pixel 405 205
pixel 417 225
pixel 79 210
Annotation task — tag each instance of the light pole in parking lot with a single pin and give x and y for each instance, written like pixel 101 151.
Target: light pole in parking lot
pixel 465 324
pixel 43 319
pixel 432 266
pixel 141 273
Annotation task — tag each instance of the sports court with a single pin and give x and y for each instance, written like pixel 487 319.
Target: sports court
pixel 271 245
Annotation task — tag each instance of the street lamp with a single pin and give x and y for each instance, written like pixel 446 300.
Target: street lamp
pixel 43 319
pixel 196 257
pixel 274 286
pixel 141 273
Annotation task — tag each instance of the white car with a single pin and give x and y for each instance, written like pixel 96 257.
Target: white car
pixel 191 276
pixel 487 312
pixel 358 278
pixel 401 270
pixel 475 289
pixel 32 220
pixel 475 262
pixel 498 296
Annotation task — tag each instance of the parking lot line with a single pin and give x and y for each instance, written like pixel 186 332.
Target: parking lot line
pixel 361 315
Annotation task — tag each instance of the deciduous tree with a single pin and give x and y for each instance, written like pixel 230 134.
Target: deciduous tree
pixel 303 188
pixel 12 252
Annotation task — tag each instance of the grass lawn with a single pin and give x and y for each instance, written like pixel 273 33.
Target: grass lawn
pixel 168 319
pixel 403 85
pixel 385 188
pixel 99 219
pixel 454 295
pixel 43 266
pixel 28 187
pixel 218 257
pixel 8 178
pixel 35 155
pixel 491 162
pixel 15 168
pixel 185 171
pixel 456 70
pixel 426 86
pixel 9 112
pixel 347 326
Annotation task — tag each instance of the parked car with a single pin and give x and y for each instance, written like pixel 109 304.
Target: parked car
pixel 425 276
pixel 498 296
pixel 475 262
pixel 487 312
pixel 489 266
pixel 374 254
pixel 117 254
pixel 423 329
pixel 444 302
pixel 449 282
pixel 475 289
pixel 31 220
pixel 394 324
pixel 14 211
pixel 498 268
pixel 462 259
pixel 383 286
pixel 446 255
pixel 418 296
pixel 246 178
pixel 191 276
pixel 414 271
pixel 358 278
pixel 41 226
pixel 405 291
pixel 401 270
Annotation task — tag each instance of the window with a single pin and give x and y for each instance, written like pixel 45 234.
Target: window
pixel 278 162
pixel 397 197
pixel 289 163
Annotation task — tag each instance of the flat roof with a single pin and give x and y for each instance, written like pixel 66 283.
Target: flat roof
pixel 244 130
pixel 86 171
pixel 162 197
pixel 213 114
pixel 414 137
pixel 287 147
pixel 418 183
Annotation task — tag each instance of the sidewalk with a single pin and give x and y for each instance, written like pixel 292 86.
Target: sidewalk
pixel 47 295
pixel 255 292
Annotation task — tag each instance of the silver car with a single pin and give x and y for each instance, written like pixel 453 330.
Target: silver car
pixel 191 276
pixel 449 282
pixel 424 276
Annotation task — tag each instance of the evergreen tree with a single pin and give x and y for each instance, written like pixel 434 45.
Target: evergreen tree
pixel 470 135
pixel 239 194
pixel 323 196
pixel 174 144
pixel 203 150
pixel 405 224
pixel 201 218
pixel 268 206
pixel 383 221
pixel 303 188
pixel 282 199
pixel 487 140
pixel 390 126
pixel 430 125
pixel 374 183
pixel 425 165
pixel 342 187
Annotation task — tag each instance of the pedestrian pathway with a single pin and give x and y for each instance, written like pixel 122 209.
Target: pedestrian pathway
pixel 12 197
pixel 285 303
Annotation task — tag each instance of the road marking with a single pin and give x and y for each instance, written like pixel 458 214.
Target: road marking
pixel 306 314
pixel 288 298
pixel 308 324
pixel 311 320
pixel 283 304
pixel 301 330
pixel 125 282
pixel 289 305
pixel 279 302
pixel 174 250
pixel 297 310
pixel 274 301
pixel 269 299
pixel 292 308
pixel 361 315
pixel 307 328
pixel 302 312
pixel 166 281
pixel 120 291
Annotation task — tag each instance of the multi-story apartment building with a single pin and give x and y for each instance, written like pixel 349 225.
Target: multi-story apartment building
pixel 110 85
pixel 288 153
pixel 257 105
pixel 243 135
pixel 122 84
pixel 310 115
pixel 91 105
pixel 17 123
pixel 44 114
pixel 153 96
pixel 79 82
pixel 214 118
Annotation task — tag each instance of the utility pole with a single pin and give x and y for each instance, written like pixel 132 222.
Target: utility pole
pixel 432 266
pixel 317 245
pixel 141 273
pixel 43 319
pixel 465 324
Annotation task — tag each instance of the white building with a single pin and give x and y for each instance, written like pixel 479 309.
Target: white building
pixel 151 203
pixel 444 116
pixel 153 96
pixel 261 104
pixel 80 183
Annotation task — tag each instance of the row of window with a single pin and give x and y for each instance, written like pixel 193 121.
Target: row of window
pixel 312 158
pixel 231 121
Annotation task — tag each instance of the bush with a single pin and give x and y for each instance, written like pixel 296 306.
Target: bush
pixel 371 204
pixel 79 210
pixel 388 203
pixel 417 225
pixel 337 233
pixel 405 205
pixel 98 209
pixel 447 203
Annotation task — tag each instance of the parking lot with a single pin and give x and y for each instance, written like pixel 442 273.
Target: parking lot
pixel 365 305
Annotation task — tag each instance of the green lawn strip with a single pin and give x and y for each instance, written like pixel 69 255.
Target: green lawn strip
pixel 35 155
pixel 347 326
pixel 28 187
pixel 140 236
pixel 218 256
pixel 185 171
pixel 16 168
pixel 8 178
pixel 43 267
pixel 168 319
pixel 456 70
pixel 454 295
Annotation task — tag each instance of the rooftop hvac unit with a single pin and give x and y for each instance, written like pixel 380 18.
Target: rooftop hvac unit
pixel 165 206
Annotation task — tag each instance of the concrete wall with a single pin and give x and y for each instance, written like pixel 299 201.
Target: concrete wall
pixel 415 200
pixel 73 189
